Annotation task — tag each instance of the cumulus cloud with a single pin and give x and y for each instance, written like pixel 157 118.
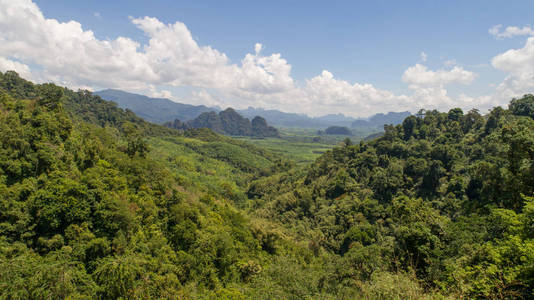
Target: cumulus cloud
pixel 204 97
pixel 424 56
pixel 450 63
pixel 429 87
pixel 154 92
pixel 257 48
pixel 22 69
pixel 74 56
pixel 68 54
pixel 510 31
pixel 420 75
pixel 264 74
pixel 334 95
pixel 519 65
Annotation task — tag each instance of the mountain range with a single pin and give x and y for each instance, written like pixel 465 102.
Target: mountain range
pixel 155 110
pixel 162 110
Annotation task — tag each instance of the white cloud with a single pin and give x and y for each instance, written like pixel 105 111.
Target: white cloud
pixel 429 88
pixel 73 56
pixel 97 15
pixel 330 95
pixel 68 54
pixel 510 31
pixel 451 63
pixel 154 92
pixel 203 97
pixel 257 48
pixel 424 57
pixel 22 69
pixel 519 64
pixel 420 75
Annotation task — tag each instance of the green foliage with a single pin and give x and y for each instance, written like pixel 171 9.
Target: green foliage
pixel 87 211
pixel 26 275
pixel 299 145
pixel 409 201
pixel 97 203
pixel 523 106
pixel 338 130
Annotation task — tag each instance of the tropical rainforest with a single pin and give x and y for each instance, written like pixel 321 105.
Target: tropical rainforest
pixel 96 203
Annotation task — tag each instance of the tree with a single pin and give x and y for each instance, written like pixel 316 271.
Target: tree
pixel 136 142
pixel 455 114
pixel 523 106
pixel 50 96
pixel 409 125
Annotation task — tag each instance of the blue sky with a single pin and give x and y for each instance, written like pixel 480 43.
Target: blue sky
pixel 358 43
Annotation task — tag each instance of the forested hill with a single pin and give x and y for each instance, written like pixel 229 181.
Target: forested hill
pixel 228 122
pixel 447 196
pixel 337 130
pixel 96 203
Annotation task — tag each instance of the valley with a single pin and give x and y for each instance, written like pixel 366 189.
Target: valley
pixel 292 150
pixel 95 202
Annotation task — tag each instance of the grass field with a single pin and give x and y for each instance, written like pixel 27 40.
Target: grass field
pixel 300 152
pixel 300 145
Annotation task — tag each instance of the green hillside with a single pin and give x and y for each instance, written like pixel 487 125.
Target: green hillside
pixel 96 203
pixel 444 197
pixel 92 205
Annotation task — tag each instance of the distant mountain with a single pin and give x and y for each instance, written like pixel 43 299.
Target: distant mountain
pixel 260 128
pixel 228 122
pixel 379 120
pixel 283 119
pixel 160 110
pixel 336 120
pixel 155 110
